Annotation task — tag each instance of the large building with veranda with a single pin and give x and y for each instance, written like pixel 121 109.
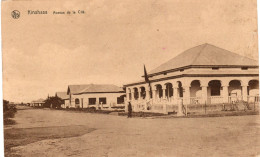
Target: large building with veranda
pixel 202 75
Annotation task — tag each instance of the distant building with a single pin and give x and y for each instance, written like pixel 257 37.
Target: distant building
pixel 92 95
pixel 65 99
pixel 202 74
pixel 37 103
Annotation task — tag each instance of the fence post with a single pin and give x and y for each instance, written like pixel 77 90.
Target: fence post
pixel 101 105
pixel 180 106
pixel 164 108
pixel 186 109
pixel 97 105
pixel 145 105
pixel 205 107
pixel 126 106
pixel 254 104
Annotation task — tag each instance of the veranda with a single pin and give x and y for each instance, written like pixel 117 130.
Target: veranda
pixel 186 95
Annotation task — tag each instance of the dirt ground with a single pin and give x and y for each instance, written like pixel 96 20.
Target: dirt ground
pixel 66 133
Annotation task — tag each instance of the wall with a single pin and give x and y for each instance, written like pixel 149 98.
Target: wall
pixel 111 98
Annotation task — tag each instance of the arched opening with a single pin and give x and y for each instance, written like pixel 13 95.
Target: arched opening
pixel 169 90
pixel 214 88
pixel 159 91
pixel 143 93
pixel 234 88
pixel 136 93
pixel 180 89
pixel 253 88
pixel 195 90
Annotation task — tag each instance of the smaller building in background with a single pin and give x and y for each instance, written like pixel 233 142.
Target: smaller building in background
pixel 95 95
pixel 65 99
pixel 37 103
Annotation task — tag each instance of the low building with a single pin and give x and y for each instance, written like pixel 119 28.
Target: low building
pixel 37 103
pixel 94 95
pixel 65 99
pixel 205 74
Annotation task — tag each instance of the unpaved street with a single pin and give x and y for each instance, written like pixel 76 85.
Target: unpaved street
pixel 117 136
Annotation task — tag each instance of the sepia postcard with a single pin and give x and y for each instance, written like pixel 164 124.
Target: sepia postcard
pixel 130 78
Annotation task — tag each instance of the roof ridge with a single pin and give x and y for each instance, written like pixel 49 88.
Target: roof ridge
pixel 88 86
pixel 205 54
pixel 204 46
pixel 178 55
pixel 234 53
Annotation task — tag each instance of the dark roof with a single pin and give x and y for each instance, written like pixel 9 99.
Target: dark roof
pixel 94 88
pixel 205 54
pixel 62 95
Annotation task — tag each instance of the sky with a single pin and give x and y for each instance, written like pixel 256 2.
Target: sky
pixel 113 40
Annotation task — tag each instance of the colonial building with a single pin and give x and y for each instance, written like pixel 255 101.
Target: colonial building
pixel 204 74
pixel 95 95
pixel 64 97
pixel 37 103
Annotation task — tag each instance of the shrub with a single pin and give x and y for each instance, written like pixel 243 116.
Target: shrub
pixel 9 112
pixel 8 121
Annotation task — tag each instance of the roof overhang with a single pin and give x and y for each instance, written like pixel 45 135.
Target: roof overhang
pixel 201 66
pixel 191 75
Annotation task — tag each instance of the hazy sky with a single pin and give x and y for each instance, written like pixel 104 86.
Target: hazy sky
pixel 112 41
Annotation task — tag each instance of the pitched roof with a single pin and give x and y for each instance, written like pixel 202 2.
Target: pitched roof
pixel 38 101
pixel 62 95
pixel 94 88
pixel 205 54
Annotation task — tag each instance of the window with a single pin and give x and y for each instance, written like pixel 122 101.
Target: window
pixel 181 70
pixel 244 68
pixel 103 100
pixel 120 100
pixel 77 101
pixel 215 68
pixel 91 101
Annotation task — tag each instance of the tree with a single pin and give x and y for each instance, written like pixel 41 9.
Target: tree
pixel 53 102
pixel 5 105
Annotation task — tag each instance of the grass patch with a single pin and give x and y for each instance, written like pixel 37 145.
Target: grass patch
pixel 219 114
pixel 22 136
pixel 93 110
pixel 141 114
pixel 226 113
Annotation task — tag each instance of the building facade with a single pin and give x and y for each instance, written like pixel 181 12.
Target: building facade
pixel 65 99
pixel 95 95
pixel 203 75
pixel 37 103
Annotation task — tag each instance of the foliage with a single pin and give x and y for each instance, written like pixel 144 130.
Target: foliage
pixel 5 105
pixel 9 112
pixel 53 102
pixel 9 121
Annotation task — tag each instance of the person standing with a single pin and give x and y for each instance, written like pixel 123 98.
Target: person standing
pixel 129 109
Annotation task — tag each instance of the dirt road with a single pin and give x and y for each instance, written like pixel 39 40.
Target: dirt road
pixel 117 136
